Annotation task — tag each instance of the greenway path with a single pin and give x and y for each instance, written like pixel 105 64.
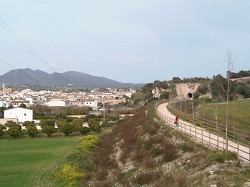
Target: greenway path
pixel 203 136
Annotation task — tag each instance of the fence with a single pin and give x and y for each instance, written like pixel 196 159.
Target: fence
pixel 235 133
pixel 208 138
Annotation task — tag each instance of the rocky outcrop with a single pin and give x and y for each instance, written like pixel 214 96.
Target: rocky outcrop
pixel 186 90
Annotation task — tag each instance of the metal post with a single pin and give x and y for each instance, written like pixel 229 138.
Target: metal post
pixel 193 108
pixel 238 149
pixel 202 135
pixel 218 142
pixel 195 132
pixel 209 135
pixel 249 154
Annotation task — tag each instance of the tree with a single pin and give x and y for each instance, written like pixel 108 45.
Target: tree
pixel 201 90
pixel 28 123
pixel 2 127
pixel 47 122
pixel 164 95
pixel 49 130
pixel 41 111
pixel 65 127
pixel 218 85
pixel 14 131
pixel 32 130
pixel 176 79
pixel 2 112
pixel 77 123
pixel 84 130
pixel 11 124
pixel 22 105
pixel 95 127
pixel 230 63
pixel 10 106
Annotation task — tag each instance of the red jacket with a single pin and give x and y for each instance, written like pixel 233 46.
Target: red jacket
pixel 177 118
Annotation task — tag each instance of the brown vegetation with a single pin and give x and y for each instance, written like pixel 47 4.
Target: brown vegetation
pixel 141 151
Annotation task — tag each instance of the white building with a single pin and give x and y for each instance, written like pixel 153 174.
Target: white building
pixel 93 104
pixel 21 114
pixel 4 104
pixel 81 102
pixel 56 103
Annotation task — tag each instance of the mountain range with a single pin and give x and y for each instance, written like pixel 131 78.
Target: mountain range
pixel 28 76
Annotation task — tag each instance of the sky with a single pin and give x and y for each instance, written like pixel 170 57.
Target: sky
pixel 136 41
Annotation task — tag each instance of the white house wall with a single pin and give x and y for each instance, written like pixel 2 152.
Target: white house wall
pixel 21 114
pixel 56 103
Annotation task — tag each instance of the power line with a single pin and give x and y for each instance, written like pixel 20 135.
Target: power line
pixel 12 32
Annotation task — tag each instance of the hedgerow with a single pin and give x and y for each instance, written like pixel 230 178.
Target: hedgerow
pixel 77 162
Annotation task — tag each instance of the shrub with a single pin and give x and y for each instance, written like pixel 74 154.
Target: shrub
pixel 66 128
pixel 10 124
pixel 185 147
pixel 77 123
pixel 84 130
pixel 2 127
pixel 49 130
pixel 47 122
pixel 28 123
pixel 95 127
pixel 87 143
pixel 69 173
pixel 148 162
pixel 221 156
pixel 79 158
pixel 14 131
pixel 156 151
pixel 146 178
pixel 32 131
pixel 169 151
pixel 138 155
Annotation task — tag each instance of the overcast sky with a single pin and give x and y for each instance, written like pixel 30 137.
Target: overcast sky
pixel 136 41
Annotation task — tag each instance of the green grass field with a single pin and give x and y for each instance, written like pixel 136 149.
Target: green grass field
pixel 31 161
pixel 239 113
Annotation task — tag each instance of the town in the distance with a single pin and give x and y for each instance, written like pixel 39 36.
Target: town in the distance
pixel 18 103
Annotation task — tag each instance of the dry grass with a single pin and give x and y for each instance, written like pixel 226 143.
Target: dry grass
pixel 137 150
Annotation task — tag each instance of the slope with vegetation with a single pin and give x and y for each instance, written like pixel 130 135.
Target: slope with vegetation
pixel 142 151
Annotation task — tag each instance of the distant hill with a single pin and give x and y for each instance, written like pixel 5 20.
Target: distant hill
pixel 74 78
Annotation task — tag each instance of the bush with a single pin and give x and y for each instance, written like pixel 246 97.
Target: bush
pixel 66 128
pixel 221 156
pixel 169 151
pixel 11 124
pixel 95 127
pixel 49 130
pixel 146 178
pixel 77 162
pixel 28 123
pixel 14 131
pixel 148 162
pixel 79 158
pixel 88 143
pixel 84 130
pixel 185 147
pixel 32 131
pixel 47 122
pixel 69 173
pixel 2 127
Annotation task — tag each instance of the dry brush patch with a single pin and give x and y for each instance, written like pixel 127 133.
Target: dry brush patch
pixel 141 151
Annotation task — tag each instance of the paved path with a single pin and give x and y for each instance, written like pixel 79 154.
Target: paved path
pixel 203 136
